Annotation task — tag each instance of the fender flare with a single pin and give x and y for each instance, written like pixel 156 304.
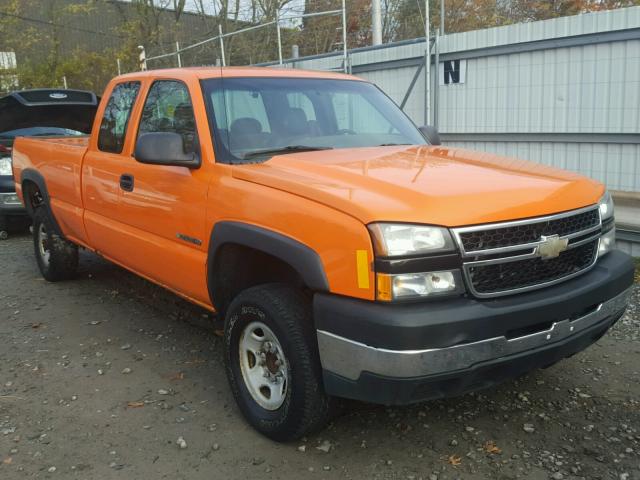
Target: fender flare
pixel 37 178
pixel 305 261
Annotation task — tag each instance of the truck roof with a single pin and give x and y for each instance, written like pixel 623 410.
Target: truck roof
pixel 217 72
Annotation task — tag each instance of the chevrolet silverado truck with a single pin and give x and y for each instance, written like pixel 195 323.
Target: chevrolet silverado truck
pixel 348 255
pixel 37 113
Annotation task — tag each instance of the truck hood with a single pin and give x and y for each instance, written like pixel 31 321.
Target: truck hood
pixel 424 184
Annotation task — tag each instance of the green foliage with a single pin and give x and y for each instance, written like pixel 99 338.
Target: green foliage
pixel 82 70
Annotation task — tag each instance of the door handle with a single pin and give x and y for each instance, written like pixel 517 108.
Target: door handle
pixel 126 182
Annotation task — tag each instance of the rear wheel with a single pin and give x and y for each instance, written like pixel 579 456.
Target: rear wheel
pixel 272 362
pixel 57 258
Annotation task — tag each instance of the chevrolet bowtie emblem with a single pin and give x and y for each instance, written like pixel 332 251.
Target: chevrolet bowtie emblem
pixel 551 246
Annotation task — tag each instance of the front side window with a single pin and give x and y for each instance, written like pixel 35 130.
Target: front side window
pixel 116 117
pixel 253 119
pixel 168 108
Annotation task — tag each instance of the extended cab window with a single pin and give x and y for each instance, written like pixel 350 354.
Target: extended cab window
pixel 116 117
pixel 168 108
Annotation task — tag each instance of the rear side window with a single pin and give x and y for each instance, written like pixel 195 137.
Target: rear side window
pixel 116 117
pixel 168 108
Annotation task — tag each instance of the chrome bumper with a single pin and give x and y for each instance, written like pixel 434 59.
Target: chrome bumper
pixel 349 359
pixel 10 203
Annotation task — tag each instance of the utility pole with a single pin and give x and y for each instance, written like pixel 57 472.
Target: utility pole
pixel 436 83
pixel 376 22
pixel 442 13
pixel 427 71
pixel 345 50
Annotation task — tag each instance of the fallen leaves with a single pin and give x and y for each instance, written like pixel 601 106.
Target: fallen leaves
pixel 491 447
pixel 135 404
pixel 7 461
pixel 195 361
pixel 454 460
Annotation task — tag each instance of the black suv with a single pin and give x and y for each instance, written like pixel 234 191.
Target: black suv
pixel 30 113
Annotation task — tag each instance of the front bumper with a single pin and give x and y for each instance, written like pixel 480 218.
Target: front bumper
pixel 10 204
pixel 397 354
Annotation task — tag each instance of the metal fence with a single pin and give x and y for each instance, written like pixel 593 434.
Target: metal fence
pixel 562 92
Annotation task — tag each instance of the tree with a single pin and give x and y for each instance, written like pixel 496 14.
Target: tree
pixel 516 11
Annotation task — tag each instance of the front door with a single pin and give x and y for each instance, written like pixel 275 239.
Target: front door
pixel 162 208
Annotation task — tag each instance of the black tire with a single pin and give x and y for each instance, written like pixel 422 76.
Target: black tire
pixel 57 258
pixel 287 313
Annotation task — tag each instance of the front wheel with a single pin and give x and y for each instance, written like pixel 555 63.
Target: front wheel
pixel 272 362
pixel 57 258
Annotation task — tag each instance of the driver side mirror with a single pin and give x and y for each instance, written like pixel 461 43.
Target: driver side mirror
pixel 430 134
pixel 164 148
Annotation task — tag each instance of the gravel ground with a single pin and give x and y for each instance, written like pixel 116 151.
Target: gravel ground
pixel 109 376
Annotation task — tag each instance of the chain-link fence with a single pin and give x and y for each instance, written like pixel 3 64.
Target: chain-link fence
pixel 270 40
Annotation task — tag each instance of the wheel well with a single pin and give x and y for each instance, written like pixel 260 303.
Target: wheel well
pixel 237 267
pixel 32 196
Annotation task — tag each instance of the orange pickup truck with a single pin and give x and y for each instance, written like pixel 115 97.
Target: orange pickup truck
pixel 349 254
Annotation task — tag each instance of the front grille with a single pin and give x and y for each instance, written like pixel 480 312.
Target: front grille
pixel 500 277
pixel 509 257
pixel 529 232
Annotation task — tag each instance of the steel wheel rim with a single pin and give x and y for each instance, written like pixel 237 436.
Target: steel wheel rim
pixel 43 244
pixel 264 367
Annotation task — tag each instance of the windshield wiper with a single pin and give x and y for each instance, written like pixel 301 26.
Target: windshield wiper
pixel 284 150
pixel 392 144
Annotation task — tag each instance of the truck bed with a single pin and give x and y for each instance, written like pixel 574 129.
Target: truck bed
pixel 59 160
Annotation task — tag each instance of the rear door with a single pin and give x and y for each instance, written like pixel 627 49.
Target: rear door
pixel 162 208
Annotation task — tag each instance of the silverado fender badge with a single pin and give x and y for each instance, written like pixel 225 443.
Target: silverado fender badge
pixel 189 239
pixel 551 246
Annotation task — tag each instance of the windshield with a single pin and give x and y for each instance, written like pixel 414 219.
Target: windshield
pixel 255 118
pixel 39 132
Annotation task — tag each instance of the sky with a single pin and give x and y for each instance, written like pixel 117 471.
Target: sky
pixel 293 8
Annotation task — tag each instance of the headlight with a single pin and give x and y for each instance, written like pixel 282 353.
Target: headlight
pixel 397 239
pixel 606 206
pixel 5 166
pixel 607 242
pixel 407 286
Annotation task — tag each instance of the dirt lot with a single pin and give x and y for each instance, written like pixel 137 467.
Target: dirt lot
pixel 99 377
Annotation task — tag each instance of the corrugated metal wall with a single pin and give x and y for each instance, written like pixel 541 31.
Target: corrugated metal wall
pixel 615 165
pixel 563 92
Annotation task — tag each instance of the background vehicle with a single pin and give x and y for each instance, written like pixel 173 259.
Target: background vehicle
pixel 347 257
pixel 37 113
